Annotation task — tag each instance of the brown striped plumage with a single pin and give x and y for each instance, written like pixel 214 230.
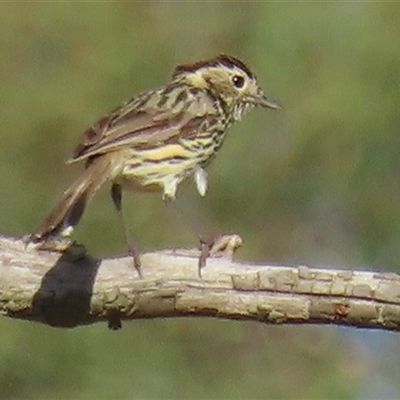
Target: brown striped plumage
pixel 158 138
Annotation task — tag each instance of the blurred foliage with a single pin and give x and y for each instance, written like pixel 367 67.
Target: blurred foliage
pixel 317 183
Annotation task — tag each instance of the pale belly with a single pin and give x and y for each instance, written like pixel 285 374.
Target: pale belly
pixel 164 168
pixel 155 176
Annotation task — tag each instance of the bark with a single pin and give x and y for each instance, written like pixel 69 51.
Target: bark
pixel 71 289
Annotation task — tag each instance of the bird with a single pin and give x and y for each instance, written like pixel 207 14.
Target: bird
pixel 156 140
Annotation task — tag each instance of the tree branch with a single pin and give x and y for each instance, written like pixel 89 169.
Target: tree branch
pixel 76 289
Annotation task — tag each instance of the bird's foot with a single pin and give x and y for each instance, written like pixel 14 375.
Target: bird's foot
pixel 223 245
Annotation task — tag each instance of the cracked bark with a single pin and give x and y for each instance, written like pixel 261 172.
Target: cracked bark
pixel 75 289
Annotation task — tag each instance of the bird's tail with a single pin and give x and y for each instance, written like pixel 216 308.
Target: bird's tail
pixel 69 209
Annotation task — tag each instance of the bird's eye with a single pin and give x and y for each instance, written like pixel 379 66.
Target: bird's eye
pixel 238 81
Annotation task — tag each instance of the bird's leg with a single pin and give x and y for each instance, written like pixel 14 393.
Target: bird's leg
pixel 116 195
pixel 204 251
pixel 211 244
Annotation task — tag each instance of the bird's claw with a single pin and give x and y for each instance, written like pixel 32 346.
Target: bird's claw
pixel 220 246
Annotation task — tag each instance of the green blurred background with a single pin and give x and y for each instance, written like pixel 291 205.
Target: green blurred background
pixel 317 183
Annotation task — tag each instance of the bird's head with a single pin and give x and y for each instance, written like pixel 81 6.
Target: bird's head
pixel 228 79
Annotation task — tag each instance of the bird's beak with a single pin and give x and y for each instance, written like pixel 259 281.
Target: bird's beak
pixel 268 103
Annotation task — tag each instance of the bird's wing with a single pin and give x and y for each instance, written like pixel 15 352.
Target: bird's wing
pixel 136 125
